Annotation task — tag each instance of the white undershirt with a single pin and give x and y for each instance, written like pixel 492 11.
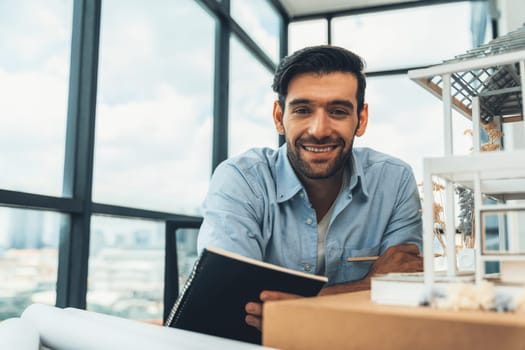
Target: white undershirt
pixel 322 230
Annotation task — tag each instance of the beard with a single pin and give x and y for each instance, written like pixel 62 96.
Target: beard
pixel 329 168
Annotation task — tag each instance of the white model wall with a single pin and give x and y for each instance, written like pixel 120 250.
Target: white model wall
pixel 512 17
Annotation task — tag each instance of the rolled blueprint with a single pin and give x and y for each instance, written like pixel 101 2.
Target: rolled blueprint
pixel 18 334
pixel 65 329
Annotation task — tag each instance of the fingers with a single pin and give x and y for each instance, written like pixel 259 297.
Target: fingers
pixel 253 321
pixel 400 258
pixel 253 314
pixel 254 310
pixel 408 248
pixel 270 295
pixel 411 264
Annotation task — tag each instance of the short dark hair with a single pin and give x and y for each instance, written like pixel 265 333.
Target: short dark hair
pixel 322 59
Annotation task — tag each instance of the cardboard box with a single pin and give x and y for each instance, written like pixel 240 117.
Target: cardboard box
pixel 352 321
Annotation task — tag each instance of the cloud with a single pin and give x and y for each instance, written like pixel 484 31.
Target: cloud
pixel 409 37
pixel 406 121
pixel 307 33
pixel 33 31
pixel 251 101
pixel 33 86
pixel 154 108
pixel 32 131
pixel 261 22
pixel 159 147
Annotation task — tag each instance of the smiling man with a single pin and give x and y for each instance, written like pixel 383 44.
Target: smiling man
pixel 316 200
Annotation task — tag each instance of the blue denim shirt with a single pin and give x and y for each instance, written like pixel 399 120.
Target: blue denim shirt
pixel 257 207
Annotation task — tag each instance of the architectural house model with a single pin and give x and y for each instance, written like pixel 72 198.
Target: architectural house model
pixel 486 86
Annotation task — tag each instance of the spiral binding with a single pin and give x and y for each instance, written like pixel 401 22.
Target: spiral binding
pixel 185 289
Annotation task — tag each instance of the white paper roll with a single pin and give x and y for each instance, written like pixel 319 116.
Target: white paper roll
pixel 18 334
pixel 65 329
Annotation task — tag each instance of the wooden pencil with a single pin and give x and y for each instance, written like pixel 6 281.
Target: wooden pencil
pixel 374 258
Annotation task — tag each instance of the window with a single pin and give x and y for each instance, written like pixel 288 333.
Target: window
pixel 186 253
pixel 407 122
pixel 126 268
pixel 398 107
pixel 154 109
pixel 396 39
pixel 408 37
pixel 35 41
pixel 307 33
pixel 251 102
pixel 28 258
pixel 260 20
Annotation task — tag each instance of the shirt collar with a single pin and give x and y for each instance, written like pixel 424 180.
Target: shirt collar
pixel 358 176
pixel 288 184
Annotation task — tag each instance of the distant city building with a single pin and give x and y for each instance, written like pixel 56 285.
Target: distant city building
pixel 25 229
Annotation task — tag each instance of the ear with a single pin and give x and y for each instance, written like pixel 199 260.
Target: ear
pixel 278 117
pixel 363 121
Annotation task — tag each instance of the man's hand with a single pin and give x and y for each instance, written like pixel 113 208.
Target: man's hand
pixel 254 310
pixel 399 258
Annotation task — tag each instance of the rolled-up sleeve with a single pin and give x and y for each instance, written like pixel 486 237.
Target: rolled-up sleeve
pixel 405 225
pixel 232 214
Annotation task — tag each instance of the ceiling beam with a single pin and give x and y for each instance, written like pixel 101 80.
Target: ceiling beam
pixel 368 9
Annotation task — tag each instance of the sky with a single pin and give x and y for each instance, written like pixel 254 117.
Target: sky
pixel 155 90
pixel 33 93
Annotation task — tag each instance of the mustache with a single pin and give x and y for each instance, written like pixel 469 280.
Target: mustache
pixel 320 141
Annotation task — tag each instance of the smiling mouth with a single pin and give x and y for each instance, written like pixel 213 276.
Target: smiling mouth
pixel 319 149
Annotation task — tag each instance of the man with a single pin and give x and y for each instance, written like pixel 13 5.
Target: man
pixel 316 201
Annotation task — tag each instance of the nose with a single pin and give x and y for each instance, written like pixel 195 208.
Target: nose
pixel 320 125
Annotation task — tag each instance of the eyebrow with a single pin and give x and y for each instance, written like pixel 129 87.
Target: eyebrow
pixel 300 101
pixel 345 103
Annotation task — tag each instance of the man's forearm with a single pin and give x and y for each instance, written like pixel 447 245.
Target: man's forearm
pixel 400 258
pixel 347 287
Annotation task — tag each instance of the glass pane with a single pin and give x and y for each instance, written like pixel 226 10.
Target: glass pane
pixel 154 109
pixel 28 258
pixel 260 20
pixel 503 232
pixel 307 33
pixel 407 37
pixel 126 268
pixel 251 102
pixel 397 108
pixel 35 39
pixel 186 253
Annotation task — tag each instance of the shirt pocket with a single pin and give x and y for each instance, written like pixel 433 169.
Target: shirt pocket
pixel 358 269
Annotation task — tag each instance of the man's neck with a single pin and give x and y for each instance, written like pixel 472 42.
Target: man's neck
pixel 323 192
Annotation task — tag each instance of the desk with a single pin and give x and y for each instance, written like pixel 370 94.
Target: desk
pixel 352 321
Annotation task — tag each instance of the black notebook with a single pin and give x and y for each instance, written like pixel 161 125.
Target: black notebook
pixel 221 283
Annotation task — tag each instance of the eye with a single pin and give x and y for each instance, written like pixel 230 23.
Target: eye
pixel 301 110
pixel 339 112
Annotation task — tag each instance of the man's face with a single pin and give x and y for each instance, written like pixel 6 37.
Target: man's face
pixel 319 121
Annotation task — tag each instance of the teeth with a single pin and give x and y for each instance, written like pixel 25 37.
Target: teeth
pixel 318 149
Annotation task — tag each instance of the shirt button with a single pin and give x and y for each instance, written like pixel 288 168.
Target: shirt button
pixel 301 195
pixel 307 267
pixel 309 221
